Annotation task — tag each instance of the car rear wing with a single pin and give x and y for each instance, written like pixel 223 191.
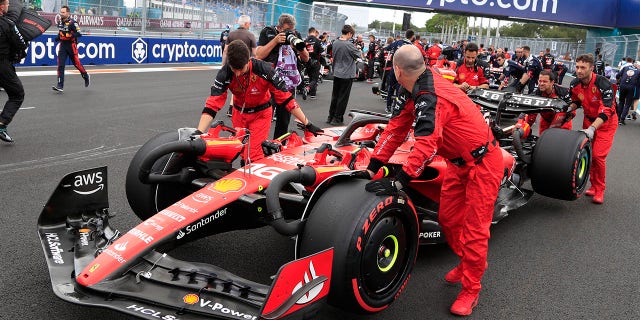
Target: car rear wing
pixel 515 103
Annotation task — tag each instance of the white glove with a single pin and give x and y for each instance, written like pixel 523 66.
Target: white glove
pixel 589 132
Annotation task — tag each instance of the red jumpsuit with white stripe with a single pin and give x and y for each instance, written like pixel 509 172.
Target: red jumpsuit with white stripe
pixel 449 123
pixel 597 101
pixel 251 94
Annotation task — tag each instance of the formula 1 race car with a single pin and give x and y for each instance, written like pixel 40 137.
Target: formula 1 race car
pixel 353 249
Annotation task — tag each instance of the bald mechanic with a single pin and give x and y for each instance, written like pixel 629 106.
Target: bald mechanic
pixel 252 83
pixel 447 123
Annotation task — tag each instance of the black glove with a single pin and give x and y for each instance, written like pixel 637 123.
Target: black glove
pixel 310 127
pixel 384 187
pixel 361 174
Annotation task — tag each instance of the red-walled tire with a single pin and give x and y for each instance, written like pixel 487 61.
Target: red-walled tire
pixel 375 241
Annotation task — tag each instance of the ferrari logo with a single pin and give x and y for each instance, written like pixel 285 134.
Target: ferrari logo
pixel 593 89
pixel 228 185
pixel 461 76
pixel 581 96
pixel 253 78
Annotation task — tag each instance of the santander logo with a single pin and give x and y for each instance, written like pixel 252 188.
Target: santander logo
pixel 308 277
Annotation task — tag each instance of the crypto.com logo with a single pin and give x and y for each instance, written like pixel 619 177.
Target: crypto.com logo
pixel 139 50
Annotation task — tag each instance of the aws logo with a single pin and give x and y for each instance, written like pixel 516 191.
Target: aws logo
pixel 89 183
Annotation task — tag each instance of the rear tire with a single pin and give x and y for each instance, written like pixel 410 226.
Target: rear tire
pixel 375 241
pixel 560 164
pixel 148 199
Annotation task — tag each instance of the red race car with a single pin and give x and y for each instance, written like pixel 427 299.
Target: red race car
pixel 354 249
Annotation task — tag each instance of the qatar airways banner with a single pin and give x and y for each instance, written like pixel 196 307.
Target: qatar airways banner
pixel 97 50
pixel 96 21
pixel 600 13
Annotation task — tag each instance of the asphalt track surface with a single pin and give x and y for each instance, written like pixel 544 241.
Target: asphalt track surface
pixel 549 260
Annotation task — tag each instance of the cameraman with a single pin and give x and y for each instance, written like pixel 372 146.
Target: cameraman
pixel 12 45
pixel 275 46
pixel 315 49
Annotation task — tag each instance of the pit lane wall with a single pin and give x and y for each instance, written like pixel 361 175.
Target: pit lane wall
pixel 100 50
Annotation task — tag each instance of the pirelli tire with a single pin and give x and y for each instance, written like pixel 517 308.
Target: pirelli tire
pixel 560 164
pixel 148 199
pixel 375 241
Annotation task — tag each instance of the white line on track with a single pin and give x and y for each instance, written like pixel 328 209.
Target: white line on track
pixel 89 154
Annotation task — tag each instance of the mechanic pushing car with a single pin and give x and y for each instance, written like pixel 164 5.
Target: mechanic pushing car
pixel 548 88
pixel 447 123
pixel 252 83
pixel 592 92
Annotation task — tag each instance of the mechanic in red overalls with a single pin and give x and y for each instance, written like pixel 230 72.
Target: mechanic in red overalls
pixel 471 73
pixel 593 93
pixel 252 83
pixel 449 124
pixel 548 88
pixel 433 52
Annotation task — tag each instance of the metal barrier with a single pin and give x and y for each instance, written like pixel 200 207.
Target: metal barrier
pixel 199 18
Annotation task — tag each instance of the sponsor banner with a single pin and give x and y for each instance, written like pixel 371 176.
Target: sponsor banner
pixel 97 21
pixel 563 11
pixel 99 50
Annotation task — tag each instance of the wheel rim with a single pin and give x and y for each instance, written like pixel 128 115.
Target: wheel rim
pixel 582 171
pixel 387 253
pixel 384 256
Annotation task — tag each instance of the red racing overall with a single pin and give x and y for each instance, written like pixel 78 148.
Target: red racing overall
pixel 597 101
pixel 475 75
pixel 251 94
pixel 448 123
pixel 547 117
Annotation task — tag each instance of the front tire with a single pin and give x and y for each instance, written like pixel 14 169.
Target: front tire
pixel 148 199
pixel 375 241
pixel 560 164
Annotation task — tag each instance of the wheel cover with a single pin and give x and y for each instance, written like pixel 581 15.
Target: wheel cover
pixel 583 168
pixel 384 258
pixel 387 253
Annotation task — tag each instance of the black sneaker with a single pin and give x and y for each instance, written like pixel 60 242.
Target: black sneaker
pixel 4 136
pixel 329 120
pixel 56 88
pixel 313 97
pixel 87 82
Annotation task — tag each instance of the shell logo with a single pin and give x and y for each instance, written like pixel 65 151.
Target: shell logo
pixel 228 185
pixel 191 298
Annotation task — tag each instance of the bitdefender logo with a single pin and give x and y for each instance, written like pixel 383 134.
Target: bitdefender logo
pixel 139 50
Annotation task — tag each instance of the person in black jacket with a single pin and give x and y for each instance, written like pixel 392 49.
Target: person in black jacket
pixel 12 46
pixel 315 49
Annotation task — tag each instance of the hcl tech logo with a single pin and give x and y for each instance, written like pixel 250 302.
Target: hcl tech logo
pixel 139 50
